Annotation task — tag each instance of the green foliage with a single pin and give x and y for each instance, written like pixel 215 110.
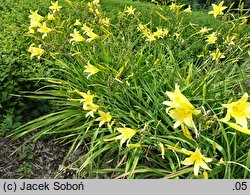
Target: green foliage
pixel 25 169
pixel 201 4
pixel 16 65
pixel 134 74
pixel 26 156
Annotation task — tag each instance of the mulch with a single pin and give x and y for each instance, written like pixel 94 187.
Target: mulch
pixel 45 163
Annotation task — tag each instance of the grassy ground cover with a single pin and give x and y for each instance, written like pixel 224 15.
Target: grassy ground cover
pixel 148 91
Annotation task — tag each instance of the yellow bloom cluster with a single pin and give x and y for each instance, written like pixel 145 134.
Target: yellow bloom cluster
pixel 179 108
pixel 77 37
pixel 177 8
pixel 181 111
pixel 93 7
pixel 91 107
pixel 152 36
pixel 36 19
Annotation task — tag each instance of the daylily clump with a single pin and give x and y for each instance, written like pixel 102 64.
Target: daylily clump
pixel 101 81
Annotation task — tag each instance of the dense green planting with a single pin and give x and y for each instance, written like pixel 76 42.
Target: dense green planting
pixel 106 68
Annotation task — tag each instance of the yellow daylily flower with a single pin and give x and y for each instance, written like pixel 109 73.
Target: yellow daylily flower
pixel 77 23
pixel 180 109
pixel 159 33
pixel 86 29
pixel 186 132
pixel 217 55
pixel 31 30
pixel 35 17
pixel 150 37
pixel 91 36
pixel 195 158
pixel 96 2
pixel 182 150
pixel 205 174
pixel 126 134
pixel 188 10
pixel 218 9
pixel 91 69
pixel 212 38
pixel 76 37
pixel 198 160
pixel 239 110
pixel 87 97
pixel 142 27
pixel 204 30
pixel 104 117
pixel 91 6
pixel 105 21
pixel 165 31
pixel 36 51
pixel 221 161
pixel 91 108
pixel 44 29
pixel 183 116
pixel 50 16
pixel 173 6
pixel 178 100
pixel 55 7
pixel 229 40
pixel 88 104
pixel 130 10
pixel 35 24
pixel 89 32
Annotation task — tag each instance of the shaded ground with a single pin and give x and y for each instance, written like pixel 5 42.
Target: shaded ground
pixel 39 160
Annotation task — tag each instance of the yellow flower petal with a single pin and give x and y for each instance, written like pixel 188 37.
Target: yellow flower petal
pixel 187 161
pixel 162 150
pixel 238 127
pixel 240 110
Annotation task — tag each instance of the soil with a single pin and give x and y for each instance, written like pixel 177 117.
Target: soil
pixel 37 160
